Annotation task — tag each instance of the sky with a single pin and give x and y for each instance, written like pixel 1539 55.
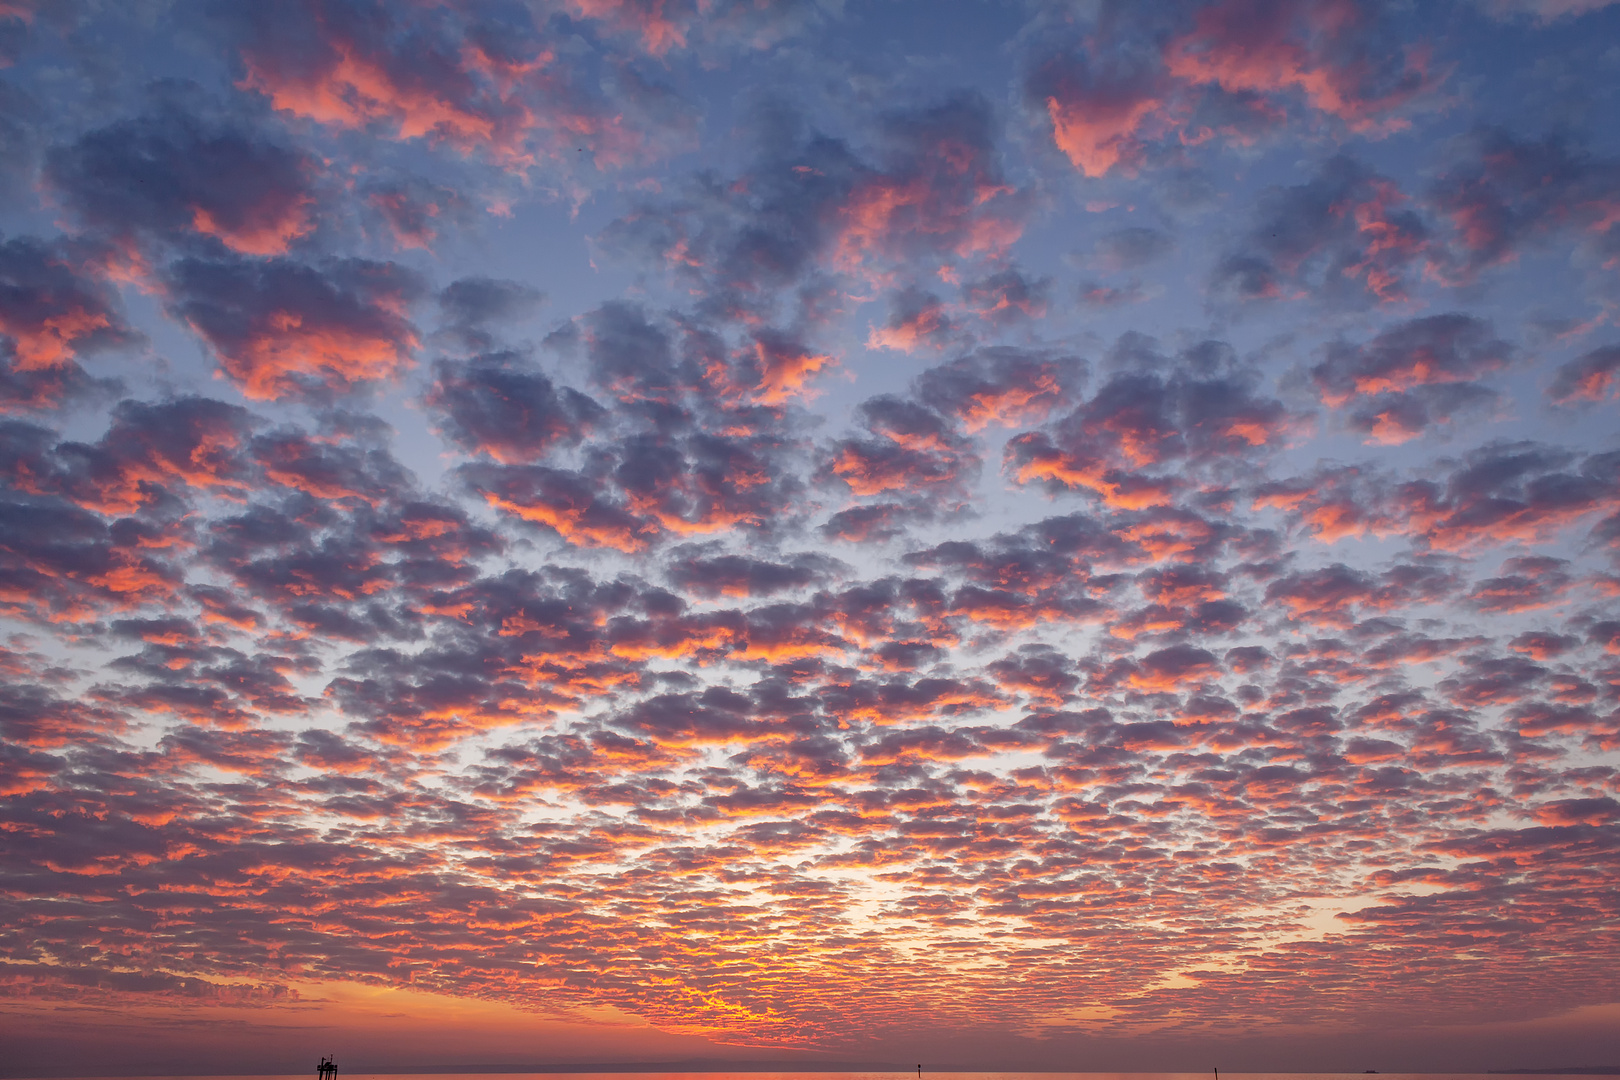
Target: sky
pixel 1011 534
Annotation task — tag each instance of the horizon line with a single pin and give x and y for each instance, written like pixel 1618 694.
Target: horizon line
pixel 703 1066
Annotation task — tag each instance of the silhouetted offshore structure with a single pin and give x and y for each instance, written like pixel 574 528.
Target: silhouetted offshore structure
pixel 327 1070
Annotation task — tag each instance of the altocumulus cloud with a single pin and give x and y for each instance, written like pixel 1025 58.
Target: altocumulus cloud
pixel 1100 542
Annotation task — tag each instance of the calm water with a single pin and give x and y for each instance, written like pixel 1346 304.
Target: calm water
pixel 871 1075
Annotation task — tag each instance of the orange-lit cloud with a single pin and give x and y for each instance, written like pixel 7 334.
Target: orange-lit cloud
pixel 283 328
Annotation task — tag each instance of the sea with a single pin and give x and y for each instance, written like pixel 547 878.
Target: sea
pixel 895 1074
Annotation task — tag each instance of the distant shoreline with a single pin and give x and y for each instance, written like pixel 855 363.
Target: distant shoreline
pixel 887 1066
pixel 696 1067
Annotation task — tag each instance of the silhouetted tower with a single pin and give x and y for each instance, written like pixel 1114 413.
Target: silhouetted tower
pixel 327 1071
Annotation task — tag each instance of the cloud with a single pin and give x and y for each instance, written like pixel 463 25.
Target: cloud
pixel 1598 811
pixel 327 469
pixel 660 30
pixel 708 483
pixel 1141 80
pixel 941 191
pixel 913 449
pixel 1097 104
pixel 663 26
pixel 417 212
pixel 1040 574
pixel 286 329
pixel 482 81
pixel 1346 236
pixel 1506 493
pixel 916 318
pixel 646 360
pixel 1173 667
pixel 1526 584
pixel 1339 55
pixel 53 310
pixel 1096 295
pixel 1002 385
pixel 507 409
pixel 1591 377
pixel 104 987
pixel 1132 248
pixel 326 62
pixel 1204 412
pixel 1330 595
pixel 20 135
pixel 934 192
pixel 1504 196
pixel 784 367
pixel 1541 645
pixel 474 302
pixel 1413 376
pixel 1543 11
pixel 560 500
pixel 151 453
pixel 877 521
pixel 1501 493
pixel 176 178
pixel 632 358
pixel 1007 297
pixel 64 564
pixel 710 573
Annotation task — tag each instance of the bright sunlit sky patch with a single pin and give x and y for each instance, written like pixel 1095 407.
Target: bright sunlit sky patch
pixel 1005 534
